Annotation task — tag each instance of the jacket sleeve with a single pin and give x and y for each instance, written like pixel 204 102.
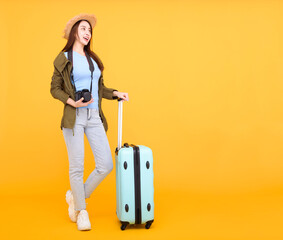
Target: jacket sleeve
pixel 56 89
pixel 108 92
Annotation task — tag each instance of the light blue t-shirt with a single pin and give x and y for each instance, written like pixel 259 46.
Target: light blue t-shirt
pixel 82 76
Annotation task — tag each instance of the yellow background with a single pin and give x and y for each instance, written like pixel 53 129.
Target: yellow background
pixel 204 80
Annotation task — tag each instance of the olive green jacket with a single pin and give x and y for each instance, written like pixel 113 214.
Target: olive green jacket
pixel 62 89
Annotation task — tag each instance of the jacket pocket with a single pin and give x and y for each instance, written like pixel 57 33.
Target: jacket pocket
pixel 69 116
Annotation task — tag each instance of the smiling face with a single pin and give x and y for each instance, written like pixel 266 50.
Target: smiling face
pixel 84 33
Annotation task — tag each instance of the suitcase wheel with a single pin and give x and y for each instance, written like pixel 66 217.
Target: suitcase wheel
pixel 124 225
pixel 148 224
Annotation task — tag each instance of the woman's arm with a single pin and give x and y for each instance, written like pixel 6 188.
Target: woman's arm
pixel 56 89
pixel 71 102
pixel 108 92
pixel 58 92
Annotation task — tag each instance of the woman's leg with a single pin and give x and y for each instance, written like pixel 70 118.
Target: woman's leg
pixel 75 147
pixel 98 141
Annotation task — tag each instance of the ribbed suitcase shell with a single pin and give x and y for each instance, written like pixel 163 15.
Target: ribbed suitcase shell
pixel 128 207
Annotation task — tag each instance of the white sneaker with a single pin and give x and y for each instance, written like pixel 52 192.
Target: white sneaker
pixel 83 222
pixel 73 214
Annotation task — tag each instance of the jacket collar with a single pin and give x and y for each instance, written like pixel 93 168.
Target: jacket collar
pixel 60 61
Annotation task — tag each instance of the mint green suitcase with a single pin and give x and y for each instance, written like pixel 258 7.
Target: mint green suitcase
pixel 134 181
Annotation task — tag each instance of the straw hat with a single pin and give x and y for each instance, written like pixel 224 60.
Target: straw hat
pixel 83 16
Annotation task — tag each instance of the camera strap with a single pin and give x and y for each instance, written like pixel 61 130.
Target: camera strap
pixel 90 63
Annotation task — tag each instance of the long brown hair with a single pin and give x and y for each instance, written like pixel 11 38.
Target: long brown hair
pixel 72 38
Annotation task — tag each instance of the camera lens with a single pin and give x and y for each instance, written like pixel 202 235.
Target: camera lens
pixel 87 96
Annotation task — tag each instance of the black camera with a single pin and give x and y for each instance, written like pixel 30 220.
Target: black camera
pixel 85 93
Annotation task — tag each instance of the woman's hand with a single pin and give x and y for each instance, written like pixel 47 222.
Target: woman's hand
pixel 122 95
pixel 80 102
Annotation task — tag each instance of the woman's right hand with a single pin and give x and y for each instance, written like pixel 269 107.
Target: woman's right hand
pixel 80 102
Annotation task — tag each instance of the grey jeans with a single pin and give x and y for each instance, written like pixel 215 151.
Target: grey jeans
pixel 89 122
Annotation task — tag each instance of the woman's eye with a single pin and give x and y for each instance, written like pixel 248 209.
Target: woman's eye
pixel 85 29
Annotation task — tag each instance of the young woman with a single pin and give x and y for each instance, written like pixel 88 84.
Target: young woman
pixel 80 116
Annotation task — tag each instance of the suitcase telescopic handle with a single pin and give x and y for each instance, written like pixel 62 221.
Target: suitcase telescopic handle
pixel 120 112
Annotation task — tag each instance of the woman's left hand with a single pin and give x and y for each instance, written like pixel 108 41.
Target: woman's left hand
pixel 122 95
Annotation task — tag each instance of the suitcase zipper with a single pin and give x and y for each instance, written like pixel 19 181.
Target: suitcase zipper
pixel 138 216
